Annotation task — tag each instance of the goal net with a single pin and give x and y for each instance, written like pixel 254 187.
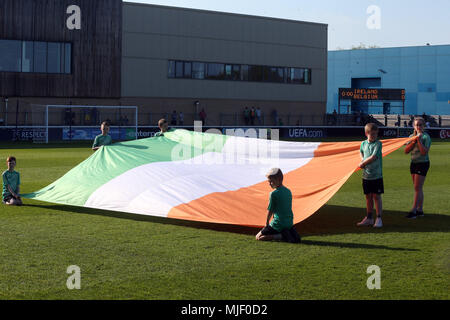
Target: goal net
pixel 82 122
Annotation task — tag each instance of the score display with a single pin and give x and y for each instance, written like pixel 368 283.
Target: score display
pixel 372 94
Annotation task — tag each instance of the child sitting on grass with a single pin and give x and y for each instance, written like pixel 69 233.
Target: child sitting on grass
pixel 11 184
pixel 280 207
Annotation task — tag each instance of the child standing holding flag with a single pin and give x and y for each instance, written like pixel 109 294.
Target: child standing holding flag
pixel 102 139
pixel 420 164
pixel 372 165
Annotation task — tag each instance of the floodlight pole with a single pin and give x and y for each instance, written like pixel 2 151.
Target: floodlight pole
pixel 46 124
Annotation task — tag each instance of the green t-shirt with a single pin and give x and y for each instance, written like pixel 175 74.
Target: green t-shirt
pixel 280 203
pixel 416 157
pixel 102 140
pixel 12 179
pixel 374 170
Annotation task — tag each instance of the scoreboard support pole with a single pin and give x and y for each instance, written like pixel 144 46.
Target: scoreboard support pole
pixel 339 105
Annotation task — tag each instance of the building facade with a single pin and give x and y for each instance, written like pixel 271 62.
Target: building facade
pixel 160 59
pixel 424 73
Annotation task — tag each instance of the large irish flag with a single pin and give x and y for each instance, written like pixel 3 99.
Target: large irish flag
pixel 207 177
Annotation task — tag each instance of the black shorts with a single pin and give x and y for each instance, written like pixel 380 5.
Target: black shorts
pixel 288 235
pixel 269 231
pixel 373 186
pixel 420 168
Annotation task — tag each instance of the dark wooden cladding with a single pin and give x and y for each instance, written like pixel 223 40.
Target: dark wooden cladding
pixel 96 48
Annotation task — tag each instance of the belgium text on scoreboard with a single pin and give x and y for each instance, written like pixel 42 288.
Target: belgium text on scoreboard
pixel 372 94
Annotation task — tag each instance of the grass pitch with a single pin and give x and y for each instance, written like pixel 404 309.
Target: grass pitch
pixel 124 256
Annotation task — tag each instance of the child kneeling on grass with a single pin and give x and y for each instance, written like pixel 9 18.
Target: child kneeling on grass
pixel 280 206
pixel 11 183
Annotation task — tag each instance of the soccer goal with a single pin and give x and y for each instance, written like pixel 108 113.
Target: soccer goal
pixel 82 122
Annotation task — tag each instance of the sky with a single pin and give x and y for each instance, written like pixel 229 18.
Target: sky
pixel 391 23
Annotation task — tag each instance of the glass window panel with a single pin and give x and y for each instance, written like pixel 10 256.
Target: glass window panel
pixel 307 76
pixel 236 72
pixel 179 69
pixel 27 56
pixel 273 74
pixel 244 72
pixel 40 57
pixel 255 73
pixel 228 71
pixel 215 71
pixel 68 58
pixel 187 70
pixel 10 55
pixel 171 70
pixel 296 75
pixel 198 70
pixel 280 74
pixel 266 73
pixel 54 57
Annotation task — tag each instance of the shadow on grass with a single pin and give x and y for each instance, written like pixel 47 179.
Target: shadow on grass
pixel 329 220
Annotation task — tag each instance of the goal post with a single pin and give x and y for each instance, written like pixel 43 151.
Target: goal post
pixel 81 122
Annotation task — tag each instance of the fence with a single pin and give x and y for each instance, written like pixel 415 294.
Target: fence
pixel 124 117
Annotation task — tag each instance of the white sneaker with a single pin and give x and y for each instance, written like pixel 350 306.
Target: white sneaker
pixel 365 223
pixel 378 223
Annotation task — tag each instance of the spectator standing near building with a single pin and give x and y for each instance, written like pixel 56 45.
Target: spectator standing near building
pixel 181 118
pixel 275 116
pixel 258 115
pixel 174 117
pixel 202 115
pixel 252 116
pixel 246 116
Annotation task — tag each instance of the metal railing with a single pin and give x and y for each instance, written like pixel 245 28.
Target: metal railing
pixel 124 118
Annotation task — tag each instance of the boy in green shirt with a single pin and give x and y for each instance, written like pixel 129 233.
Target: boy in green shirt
pixel 280 207
pixel 102 139
pixel 163 127
pixel 372 165
pixel 11 184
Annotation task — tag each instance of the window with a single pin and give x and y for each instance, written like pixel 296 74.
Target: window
pixel 228 71
pixel 54 57
pixel 273 74
pixel 280 75
pixel 40 57
pixel 11 55
pixel 179 69
pixel 244 73
pixel 68 58
pixel 215 71
pixel 237 72
pixel 198 70
pixel 171 69
pixel 255 73
pixel 296 75
pixel 307 76
pixel 187 70
pixel 35 56
pixel 27 56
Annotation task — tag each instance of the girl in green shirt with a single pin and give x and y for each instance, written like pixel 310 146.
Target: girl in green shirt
pixel 420 163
